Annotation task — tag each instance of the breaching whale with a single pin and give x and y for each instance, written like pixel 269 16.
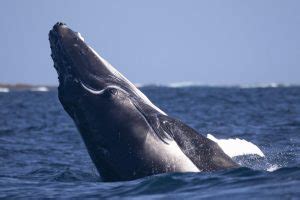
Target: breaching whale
pixel 126 135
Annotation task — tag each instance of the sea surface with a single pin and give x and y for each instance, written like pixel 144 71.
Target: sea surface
pixel 43 156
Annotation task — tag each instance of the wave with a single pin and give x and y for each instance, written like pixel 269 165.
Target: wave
pixel 185 84
pixel 39 89
pixel 4 90
pixel 172 85
pixel 273 168
pixel 238 183
pixel 266 85
pixel 237 147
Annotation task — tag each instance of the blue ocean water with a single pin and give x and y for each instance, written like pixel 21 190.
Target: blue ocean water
pixel 43 156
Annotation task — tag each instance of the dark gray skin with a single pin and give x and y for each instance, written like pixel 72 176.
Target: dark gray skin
pixel 126 136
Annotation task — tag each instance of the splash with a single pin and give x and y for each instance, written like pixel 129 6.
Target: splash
pixel 237 147
pixel 273 168
pixel 40 89
pixel 4 90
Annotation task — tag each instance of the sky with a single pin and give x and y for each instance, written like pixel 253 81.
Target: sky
pixel 208 42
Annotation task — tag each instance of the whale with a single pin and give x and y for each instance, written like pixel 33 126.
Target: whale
pixel 125 134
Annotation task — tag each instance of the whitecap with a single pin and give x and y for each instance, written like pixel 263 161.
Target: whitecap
pixel 4 90
pixel 183 84
pixel 264 85
pixel 242 86
pixel 40 89
pixel 272 168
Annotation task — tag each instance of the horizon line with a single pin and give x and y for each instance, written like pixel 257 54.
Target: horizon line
pixel 172 85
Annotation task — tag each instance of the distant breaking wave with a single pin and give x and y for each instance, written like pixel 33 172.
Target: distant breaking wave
pixel 39 89
pixel 4 90
pixel 197 84
pixel 266 85
pixel 184 84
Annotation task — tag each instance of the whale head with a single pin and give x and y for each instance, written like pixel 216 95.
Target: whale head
pixel 77 64
pixel 82 70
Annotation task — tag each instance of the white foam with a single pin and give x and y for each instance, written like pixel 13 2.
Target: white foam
pixel 183 84
pixel 198 84
pixel 40 89
pixel 264 85
pixel 272 168
pixel 4 90
pixel 237 147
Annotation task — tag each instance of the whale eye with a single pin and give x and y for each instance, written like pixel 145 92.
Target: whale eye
pixel 109 92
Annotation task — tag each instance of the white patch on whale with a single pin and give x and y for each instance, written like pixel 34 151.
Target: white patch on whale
pixel 237 147
pixel 99 92
pixel 80 36
pixel 172 155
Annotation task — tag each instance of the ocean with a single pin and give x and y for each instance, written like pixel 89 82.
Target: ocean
pixel 43 156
